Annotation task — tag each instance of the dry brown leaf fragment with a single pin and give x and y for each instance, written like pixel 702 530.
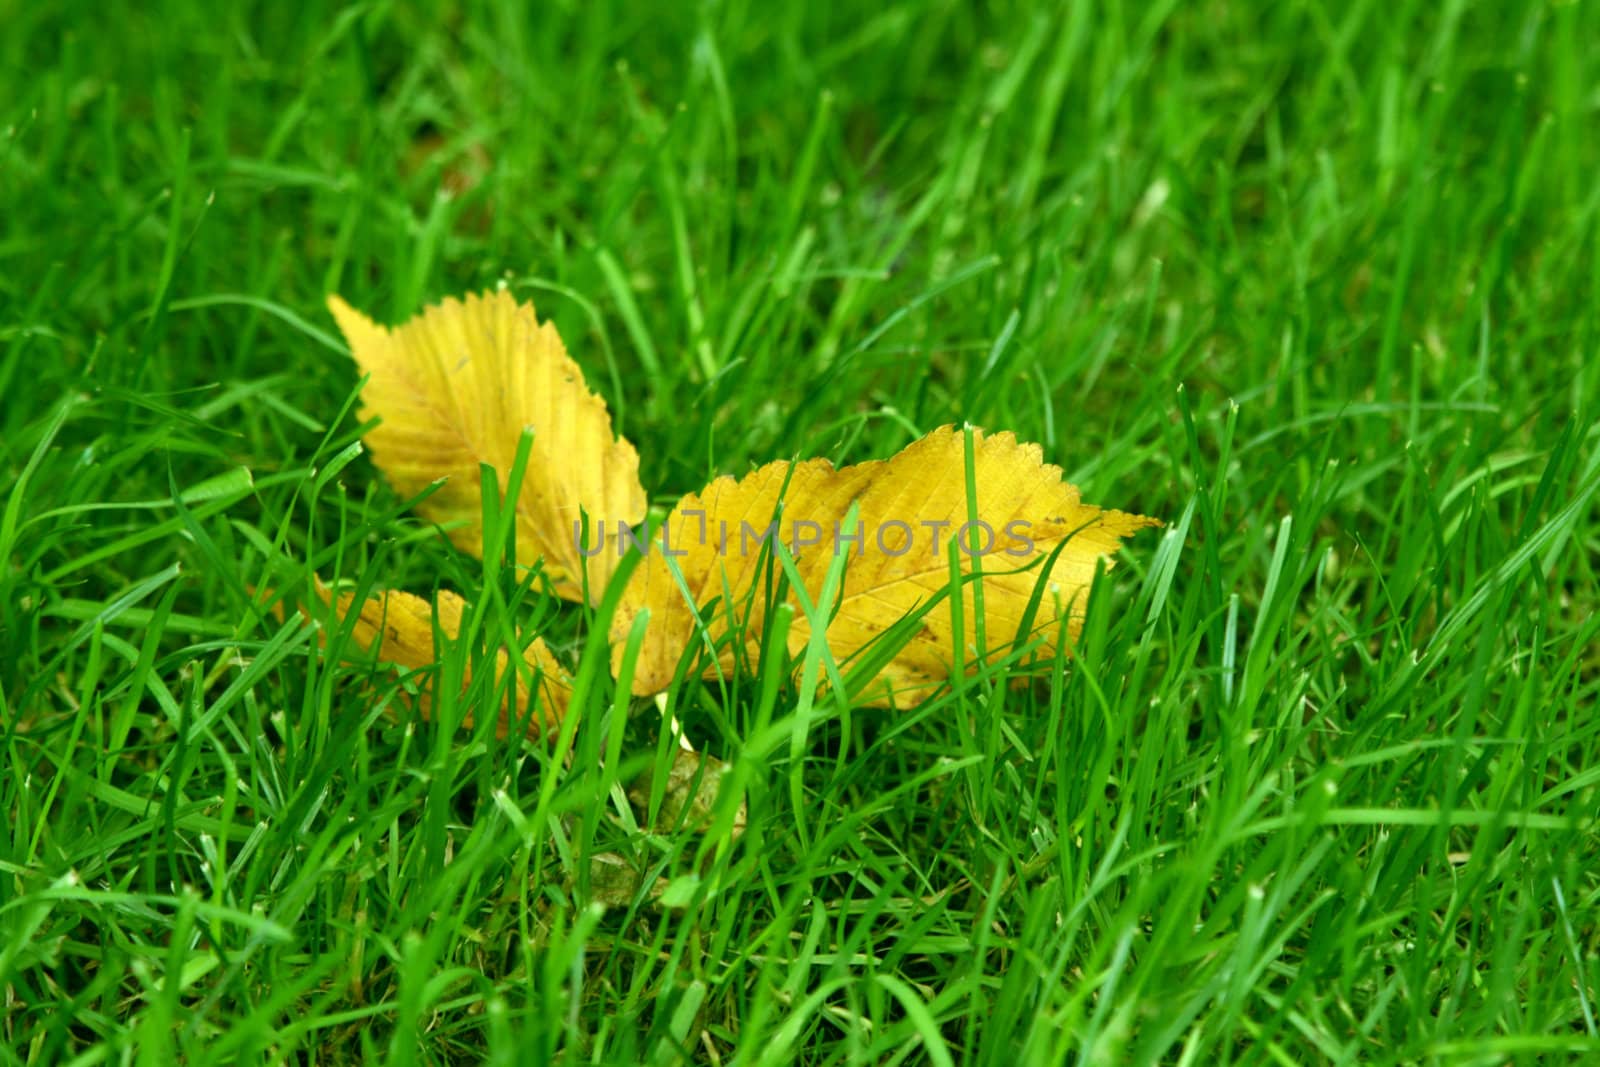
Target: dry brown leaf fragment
pixel 398 628
pixel 614 881
pixel 455 387
pixel 460 164
pixel 910 507
pixel 689 795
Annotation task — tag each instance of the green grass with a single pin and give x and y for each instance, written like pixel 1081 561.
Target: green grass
pixel 1318 283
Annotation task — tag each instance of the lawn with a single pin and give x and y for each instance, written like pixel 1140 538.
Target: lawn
pixel 1317 284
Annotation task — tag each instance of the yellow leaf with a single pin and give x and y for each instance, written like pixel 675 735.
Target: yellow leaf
pixel 714 538
pixel 398 628
pixel 910 507
pixel 454 387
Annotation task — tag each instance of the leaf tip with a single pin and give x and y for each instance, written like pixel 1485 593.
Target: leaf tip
pixel 352 323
